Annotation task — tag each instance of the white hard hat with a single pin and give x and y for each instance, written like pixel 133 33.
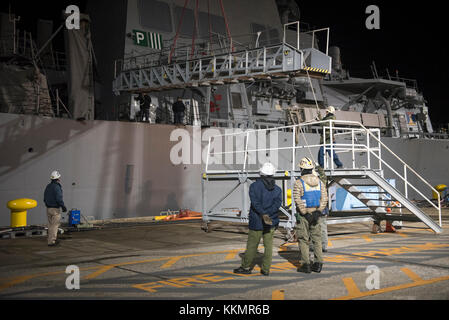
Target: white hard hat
pixel 55 175
pixel 267 169
pixel 306 163
pixel 330 109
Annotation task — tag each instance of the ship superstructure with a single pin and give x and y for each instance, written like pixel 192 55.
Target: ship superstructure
pixel 234 66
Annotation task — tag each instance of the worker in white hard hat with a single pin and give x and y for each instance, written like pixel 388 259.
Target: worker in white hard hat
pixel 266 199
pixel 330 115
pixel 310 196
pixel 54 202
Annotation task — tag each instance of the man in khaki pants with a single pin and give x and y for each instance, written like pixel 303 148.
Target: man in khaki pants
pixel 310 197
pixel 53 201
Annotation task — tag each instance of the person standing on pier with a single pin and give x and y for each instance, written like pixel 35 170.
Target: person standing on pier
pixel 266 199
pixel 310 197
pixel 54 202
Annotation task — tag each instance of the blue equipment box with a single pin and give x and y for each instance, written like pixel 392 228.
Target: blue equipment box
pixel 74 217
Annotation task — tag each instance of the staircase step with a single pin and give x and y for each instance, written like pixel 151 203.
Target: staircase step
pixel 339 214
pixel 400 217
pixel 346 182
pixel 373 192
pixel 384 188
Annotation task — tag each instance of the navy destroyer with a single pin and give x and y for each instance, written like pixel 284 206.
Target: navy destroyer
pixel 240 72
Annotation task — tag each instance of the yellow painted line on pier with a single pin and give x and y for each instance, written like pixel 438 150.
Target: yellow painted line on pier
pixel 351 287
pixel 278 295
pixel 413 276
pixel 232 254
pixel 367 239
pixel 99 270
pixel 355 293
pixel 229 254
pixel 353 290
pixel 401 234
pixel 9 282
pixel 171 262
pixel 14 281
pixel 105 268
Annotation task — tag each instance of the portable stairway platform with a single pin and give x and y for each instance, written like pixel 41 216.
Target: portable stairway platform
pixel 281 60
pixel 367 167
pixel 350 180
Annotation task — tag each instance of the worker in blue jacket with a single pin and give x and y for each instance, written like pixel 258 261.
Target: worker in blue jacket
pixel 266 199
pixel 54 202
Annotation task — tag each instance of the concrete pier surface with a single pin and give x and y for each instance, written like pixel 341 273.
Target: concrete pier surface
pixel 132 260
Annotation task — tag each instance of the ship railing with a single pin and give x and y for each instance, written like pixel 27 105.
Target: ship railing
pixel 246 63
pixel 364 146
pixel 216 44
pixel 313 32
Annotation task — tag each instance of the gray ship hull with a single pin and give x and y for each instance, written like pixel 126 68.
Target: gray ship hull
pixel 123 169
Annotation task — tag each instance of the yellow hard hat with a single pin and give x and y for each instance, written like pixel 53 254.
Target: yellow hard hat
pixel 306 163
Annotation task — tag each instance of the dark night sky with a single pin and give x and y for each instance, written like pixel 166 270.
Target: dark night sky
pixel 412 39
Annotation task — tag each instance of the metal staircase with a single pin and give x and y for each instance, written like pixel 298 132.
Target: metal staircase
pixel 386 193
pixel 365 166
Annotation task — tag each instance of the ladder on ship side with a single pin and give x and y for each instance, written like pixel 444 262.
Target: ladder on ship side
pixel 366 165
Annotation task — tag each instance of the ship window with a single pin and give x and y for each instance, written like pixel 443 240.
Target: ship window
pixel 236 100
pixel 187 21
pixel 155 15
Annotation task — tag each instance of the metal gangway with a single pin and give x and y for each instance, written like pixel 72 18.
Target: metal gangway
pixel 152 73
pixel 368 162
pixel 278 60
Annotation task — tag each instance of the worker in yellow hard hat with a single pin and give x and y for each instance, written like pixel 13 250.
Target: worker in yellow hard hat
pixel 310 197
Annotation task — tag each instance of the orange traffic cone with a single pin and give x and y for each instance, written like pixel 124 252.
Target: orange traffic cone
pixel 389 227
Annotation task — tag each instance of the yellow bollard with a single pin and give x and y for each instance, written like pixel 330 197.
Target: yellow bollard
pixel 19 209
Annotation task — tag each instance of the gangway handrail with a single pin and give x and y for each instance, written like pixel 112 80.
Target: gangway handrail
pixel 389 150
pixel 406 166
pixel 332 127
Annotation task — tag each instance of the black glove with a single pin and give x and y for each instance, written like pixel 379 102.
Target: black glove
pixel 315 216
pixel 309 218
pixel 64 209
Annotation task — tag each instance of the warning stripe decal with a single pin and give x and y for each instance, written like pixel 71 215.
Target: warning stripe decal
pixel 317 70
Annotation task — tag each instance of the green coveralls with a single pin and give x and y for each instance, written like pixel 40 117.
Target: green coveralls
pixel 251 248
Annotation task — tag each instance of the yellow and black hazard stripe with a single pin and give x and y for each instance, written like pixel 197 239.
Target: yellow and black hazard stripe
pixel 316 70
